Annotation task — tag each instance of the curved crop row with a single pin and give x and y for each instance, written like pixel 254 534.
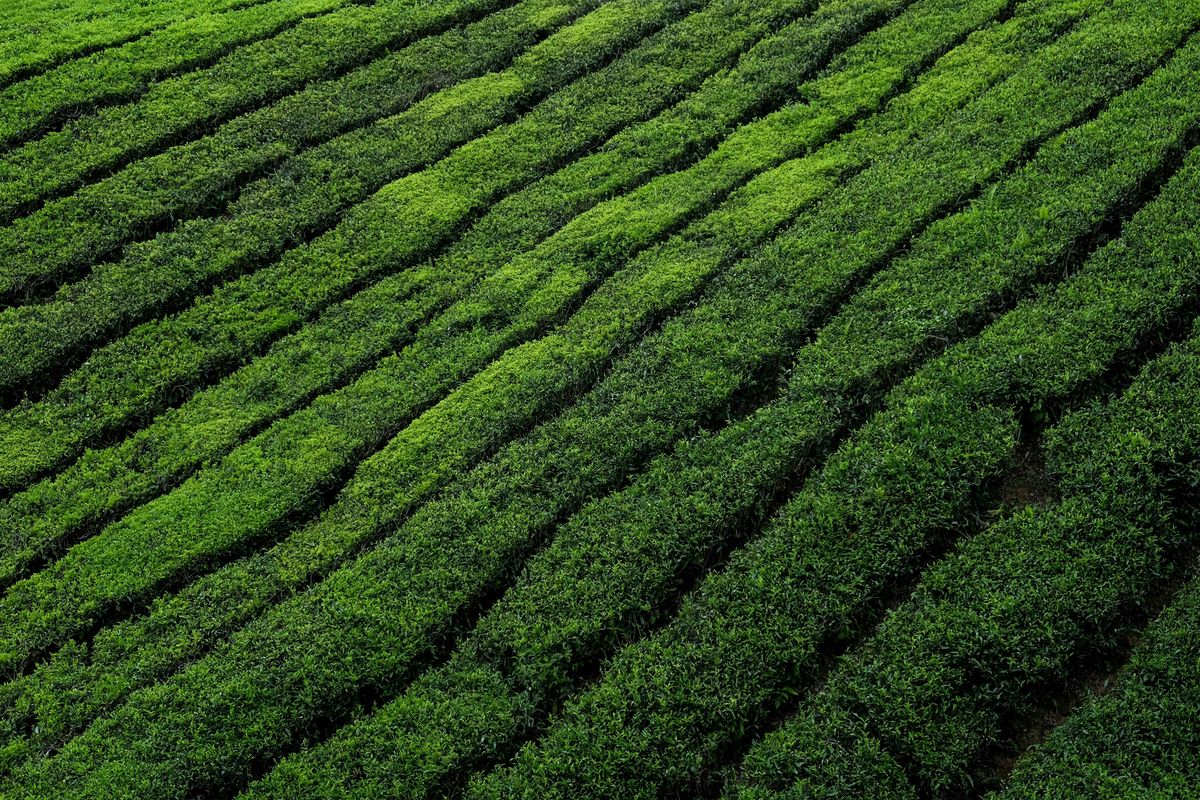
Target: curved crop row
pixel 1015 608
pixel 992 53
pixel 38 40
pixel 285 468
pixel 160 363
pixel 381 318
pixel 36 16
pixel 308 451
pixel 289 205
pixel 180 107
pixel 33 105
pixel 256 673
pixel 751 636
pixel 1139 739
pixel 68 235
pixel 183 105
pixel 607 570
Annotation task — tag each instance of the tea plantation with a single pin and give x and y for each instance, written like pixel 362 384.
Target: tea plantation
pixel 572 399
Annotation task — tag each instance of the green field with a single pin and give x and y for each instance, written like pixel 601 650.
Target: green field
pixel 572 399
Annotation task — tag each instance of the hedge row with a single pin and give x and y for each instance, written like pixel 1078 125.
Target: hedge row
pixel 50 17
pixel 261 675
pixel 32 106
pixel 23 19
pixel 285 469
pixel 1139 739
pixel 179 107
pixel 161 363
pixel 68 235
pixel 378 320
pixel 146 648
pixel 609 571
pixel 752 636
pixel 1018 607
pixel 308 452
pixel 47 513
pixel 37 41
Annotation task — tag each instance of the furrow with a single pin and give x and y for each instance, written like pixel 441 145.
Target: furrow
pixel 33 106
pixel 382 634
pixel 1138 738
pixel 31 48
pixel 992 53
pixel 1013 609
pixel 349 337
pixel 202 178
pixel 179 108
pixel 746 640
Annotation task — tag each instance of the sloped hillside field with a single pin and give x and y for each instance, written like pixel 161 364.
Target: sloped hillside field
pixel 600 399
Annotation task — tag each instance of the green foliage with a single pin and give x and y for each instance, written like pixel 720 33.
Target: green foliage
pixel 361 627
pixel 182 105
pixel 1137 739
pixel 304 453
pixel 33 105
pixel 1017 608
pixel 751 635
pixel 597 398
pixel 68 235
pixel 159 640
pixel 162 361
pixel 39 35
pixel 348 336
